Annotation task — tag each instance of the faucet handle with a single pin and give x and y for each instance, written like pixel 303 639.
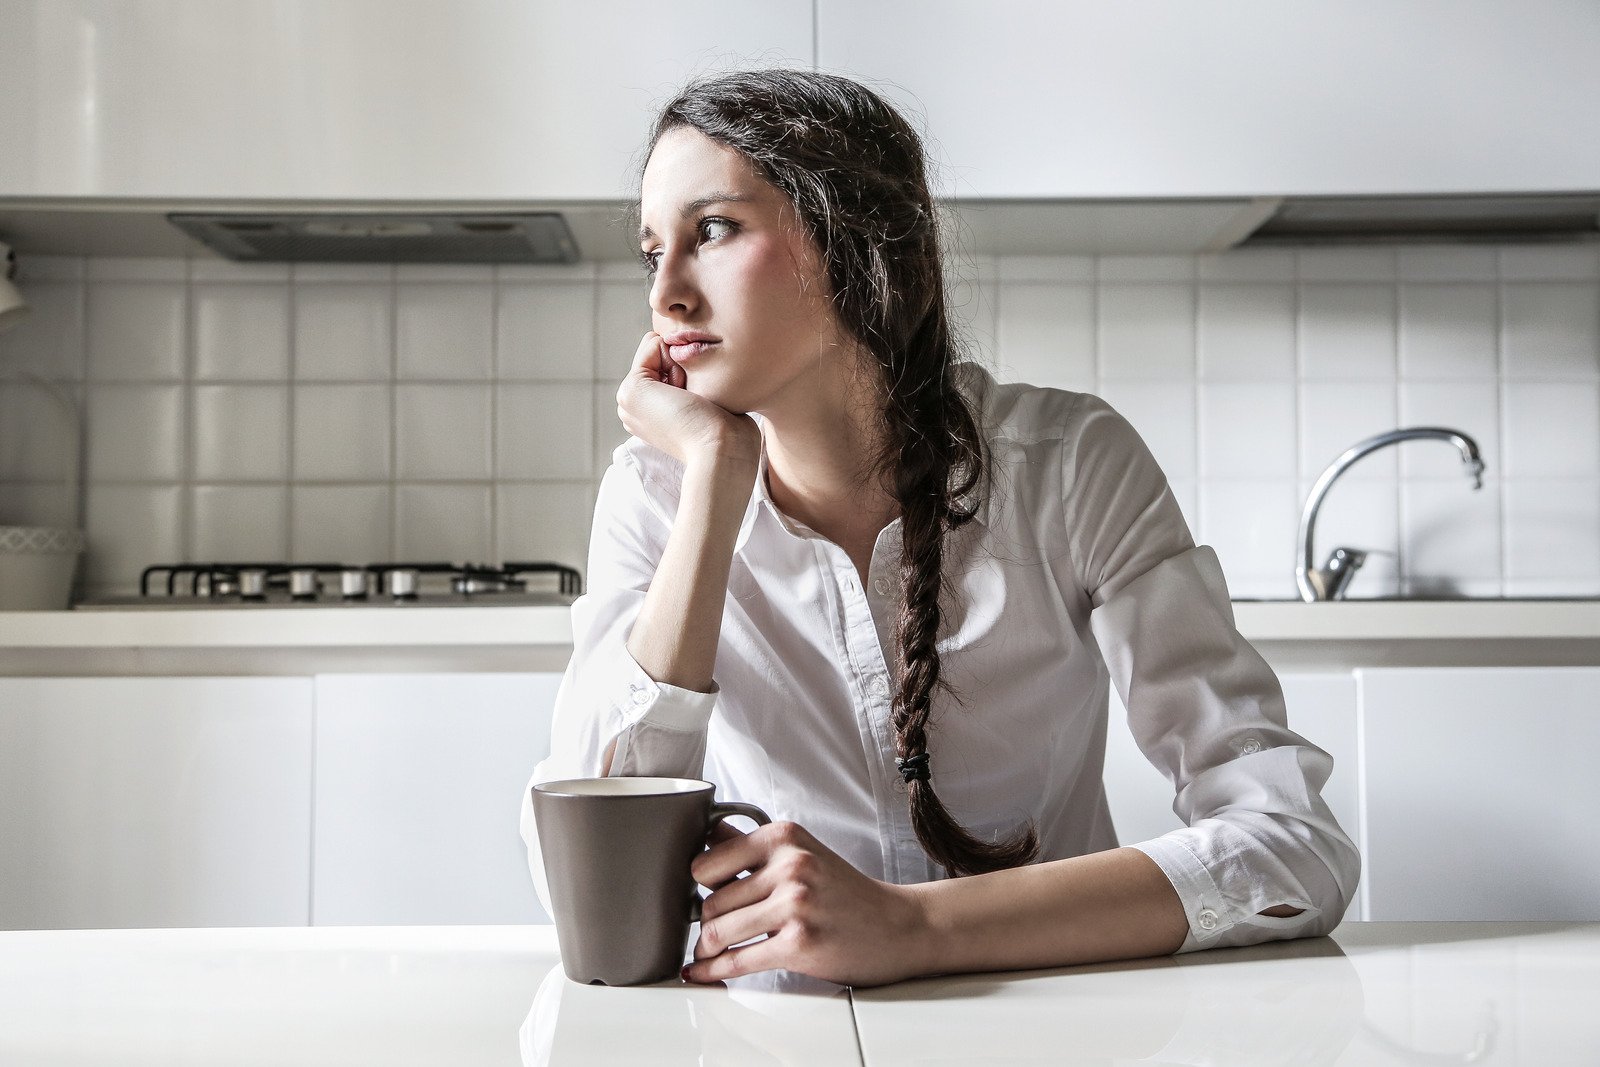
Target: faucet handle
pixel 1333 577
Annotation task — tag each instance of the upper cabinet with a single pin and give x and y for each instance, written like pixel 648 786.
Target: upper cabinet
pixel 1252 98
pixel 358 99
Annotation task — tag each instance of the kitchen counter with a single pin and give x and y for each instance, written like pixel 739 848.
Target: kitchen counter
pixel 1291 635
pixel 1372 993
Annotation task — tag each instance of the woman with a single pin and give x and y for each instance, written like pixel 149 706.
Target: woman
pixel 868 588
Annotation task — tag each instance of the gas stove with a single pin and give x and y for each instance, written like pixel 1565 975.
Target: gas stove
pixel 341 585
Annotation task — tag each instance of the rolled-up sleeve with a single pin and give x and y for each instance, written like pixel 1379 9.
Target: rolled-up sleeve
pixel 1203 705
pixel 659 729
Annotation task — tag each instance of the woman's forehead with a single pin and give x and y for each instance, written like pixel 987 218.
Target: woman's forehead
pixel 685 170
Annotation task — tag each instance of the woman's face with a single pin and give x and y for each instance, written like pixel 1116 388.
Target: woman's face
pixel 736 268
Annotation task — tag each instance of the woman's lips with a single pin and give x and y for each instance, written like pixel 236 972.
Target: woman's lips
pixel 680 353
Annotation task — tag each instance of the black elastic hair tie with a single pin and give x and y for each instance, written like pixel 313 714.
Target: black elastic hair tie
pixel 914 768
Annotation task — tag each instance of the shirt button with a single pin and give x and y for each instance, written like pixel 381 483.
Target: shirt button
pixel 1208 919
pixel 881 585
pixel 640 697
pixel 880 688
pixel 1251 745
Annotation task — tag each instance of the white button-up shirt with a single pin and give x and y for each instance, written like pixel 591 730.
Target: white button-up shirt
pixel 1078 573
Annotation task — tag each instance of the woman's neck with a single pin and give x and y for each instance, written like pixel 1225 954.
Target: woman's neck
pixel 816 462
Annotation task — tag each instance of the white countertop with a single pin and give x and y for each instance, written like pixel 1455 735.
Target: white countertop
pixel 1373 993
pixel 490 637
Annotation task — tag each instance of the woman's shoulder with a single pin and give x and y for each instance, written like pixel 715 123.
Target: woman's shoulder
pixel 1025 414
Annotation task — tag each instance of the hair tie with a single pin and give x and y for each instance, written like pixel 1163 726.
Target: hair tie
pixel 914 768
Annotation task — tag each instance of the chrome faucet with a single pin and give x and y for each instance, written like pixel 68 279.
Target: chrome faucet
pixel 1329 582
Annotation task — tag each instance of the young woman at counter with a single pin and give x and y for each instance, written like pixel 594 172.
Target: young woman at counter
pixel 904 589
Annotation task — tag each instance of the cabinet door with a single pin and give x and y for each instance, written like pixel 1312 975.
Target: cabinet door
pixel 419 780
pixel 357 99
pixel 1321 708
pixel 1088 99
pixel 1481 793
pixel 154 802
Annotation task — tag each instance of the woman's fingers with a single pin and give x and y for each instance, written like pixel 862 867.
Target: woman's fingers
pixel 744 909
pixel 648 356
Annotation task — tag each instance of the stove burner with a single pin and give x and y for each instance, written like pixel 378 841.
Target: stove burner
pixel 278 583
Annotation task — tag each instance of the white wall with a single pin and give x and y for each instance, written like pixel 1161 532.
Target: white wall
pixel 356 414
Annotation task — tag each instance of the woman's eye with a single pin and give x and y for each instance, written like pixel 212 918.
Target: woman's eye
pixel 649 259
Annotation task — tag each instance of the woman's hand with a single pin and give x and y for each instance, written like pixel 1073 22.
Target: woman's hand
pixel 823 917
pixel 655 406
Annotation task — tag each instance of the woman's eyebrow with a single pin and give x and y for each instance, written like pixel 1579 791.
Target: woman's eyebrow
pixel 699 202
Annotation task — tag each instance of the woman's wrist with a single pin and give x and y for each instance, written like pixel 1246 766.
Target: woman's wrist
pixel 730 451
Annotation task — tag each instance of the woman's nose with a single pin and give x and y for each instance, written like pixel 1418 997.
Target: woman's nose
pixel 673 288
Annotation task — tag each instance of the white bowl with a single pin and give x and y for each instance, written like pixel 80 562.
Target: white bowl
pixel 37 565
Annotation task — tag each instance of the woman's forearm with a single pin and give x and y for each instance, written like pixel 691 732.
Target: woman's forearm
pixel 1106 906
pixel 679 625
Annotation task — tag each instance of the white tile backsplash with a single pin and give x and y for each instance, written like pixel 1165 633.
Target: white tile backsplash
pixel 342 433
pixel 442 432
pixel 443 522
pixel 544 431
pixel 1045 335
pixel 1247 429
pixel 343 332
pixel 1347 331
pixel 136 330
pixel 135 432
pixel 241 433
pixel 545 331
pixel 341 523
pixel 1146 330
pixel 1552 429
pixel 239 522
pixel 1448 331
pixel 369 412
pixel 1552 329
pixel 1246 333
pixel 241 332
pixel 444 330
pixel 1336 415
pixel 1451 530
pixel 1472 407
pixel 1550 530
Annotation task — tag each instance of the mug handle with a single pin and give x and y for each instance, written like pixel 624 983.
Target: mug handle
pixel 720 811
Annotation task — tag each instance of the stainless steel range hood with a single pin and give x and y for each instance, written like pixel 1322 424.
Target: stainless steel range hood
pixel 1412 220
pixel 384 237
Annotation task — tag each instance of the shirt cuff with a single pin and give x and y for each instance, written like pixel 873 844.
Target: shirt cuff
pixel 1203 905
pixel 659 704
pixel 663 728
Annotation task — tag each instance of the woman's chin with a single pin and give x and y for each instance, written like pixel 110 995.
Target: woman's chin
pixel 726 399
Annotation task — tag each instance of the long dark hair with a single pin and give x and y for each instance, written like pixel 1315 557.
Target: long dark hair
pixel 854 170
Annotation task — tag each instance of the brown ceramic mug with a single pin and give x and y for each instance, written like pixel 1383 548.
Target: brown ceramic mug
pixel 617 853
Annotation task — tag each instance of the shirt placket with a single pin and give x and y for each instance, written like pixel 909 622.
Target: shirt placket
pixel 867 631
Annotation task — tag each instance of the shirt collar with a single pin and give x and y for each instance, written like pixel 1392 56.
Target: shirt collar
pixel 971 378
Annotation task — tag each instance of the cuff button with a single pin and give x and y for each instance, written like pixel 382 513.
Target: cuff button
pixel 1251 745
pixel 1207 919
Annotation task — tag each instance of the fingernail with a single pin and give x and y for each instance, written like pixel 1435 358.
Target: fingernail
pixel 684 973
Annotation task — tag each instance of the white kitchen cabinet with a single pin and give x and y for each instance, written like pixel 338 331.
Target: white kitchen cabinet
pixel 357 99
pixel 1321 708
pixel 1481 792
pixel 1087 99
pixel 154 802
pixel 418 782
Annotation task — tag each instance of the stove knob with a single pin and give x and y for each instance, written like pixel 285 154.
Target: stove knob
pixel 402 583
pixel 353 584
pixel 303 584
pixel 252 584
